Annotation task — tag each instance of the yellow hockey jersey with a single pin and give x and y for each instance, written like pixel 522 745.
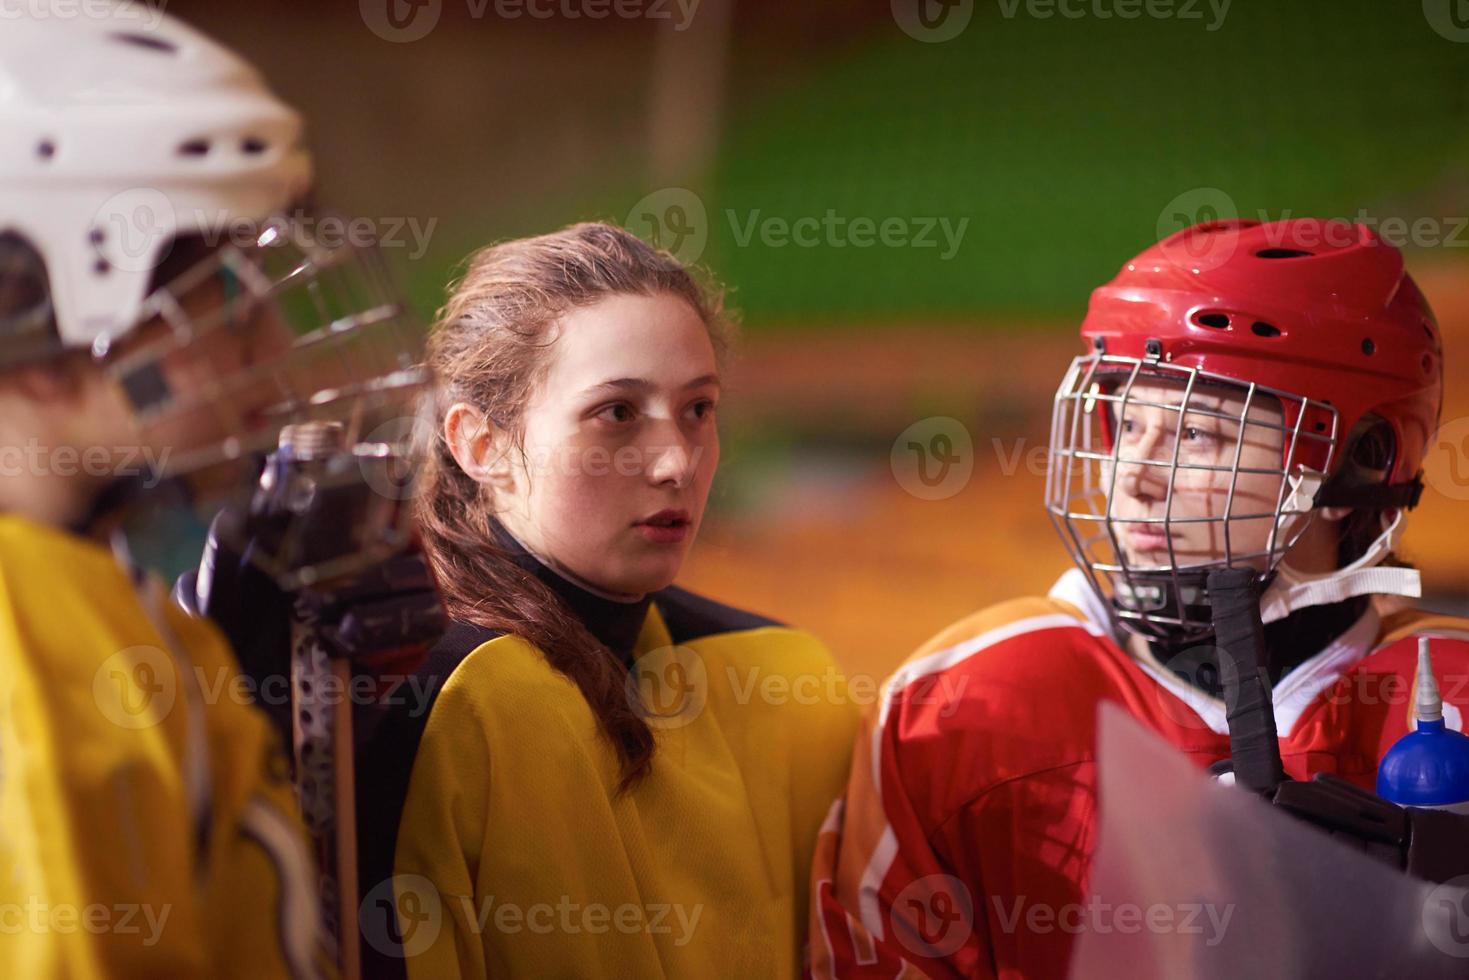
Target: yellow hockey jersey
pixel 147 828
pixel 496 844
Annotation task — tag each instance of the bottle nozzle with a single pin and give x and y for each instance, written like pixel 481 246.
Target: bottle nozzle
pixel 1428 704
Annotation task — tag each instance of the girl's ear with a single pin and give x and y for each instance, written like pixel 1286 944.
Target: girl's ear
pixel 481 449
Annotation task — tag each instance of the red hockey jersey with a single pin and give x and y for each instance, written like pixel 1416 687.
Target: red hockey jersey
pixel 963 845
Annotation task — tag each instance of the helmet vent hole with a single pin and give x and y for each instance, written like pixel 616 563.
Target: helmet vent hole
pixel 194 148
pixel 1282 253
pixel 1368 347
pixel 147 42
pixel 1263 329
pixel 1216 321
pixel 253 146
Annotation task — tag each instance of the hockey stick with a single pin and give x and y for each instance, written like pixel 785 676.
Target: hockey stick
pixel 1331 803
pixel 381 608
pixel 1239 636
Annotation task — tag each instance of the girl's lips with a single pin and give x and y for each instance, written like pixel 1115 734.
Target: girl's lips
pixel 1147 539
pixel 665 527
pixel 663 533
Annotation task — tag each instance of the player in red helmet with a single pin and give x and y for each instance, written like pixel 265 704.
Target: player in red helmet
pixel 1254 396
pixel 1310 340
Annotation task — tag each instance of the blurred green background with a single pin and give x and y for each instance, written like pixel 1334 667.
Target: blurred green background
pixel 1059 141
pixel 1062 143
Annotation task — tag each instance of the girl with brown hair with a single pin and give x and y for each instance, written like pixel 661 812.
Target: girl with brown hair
pixel 595 773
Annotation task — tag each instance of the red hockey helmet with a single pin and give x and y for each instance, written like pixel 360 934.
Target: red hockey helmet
pixel 1319 317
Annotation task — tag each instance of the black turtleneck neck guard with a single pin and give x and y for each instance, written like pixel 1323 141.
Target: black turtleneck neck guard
pixel 617 624
pixel 1289 642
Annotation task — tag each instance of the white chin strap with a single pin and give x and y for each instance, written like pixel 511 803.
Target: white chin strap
pixel 1291 590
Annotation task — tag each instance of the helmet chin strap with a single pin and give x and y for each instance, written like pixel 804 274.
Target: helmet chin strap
pixel 1291 589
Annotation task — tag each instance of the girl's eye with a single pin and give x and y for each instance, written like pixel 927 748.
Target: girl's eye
pixel 620 412
pixel 1194 434
pixel 702 409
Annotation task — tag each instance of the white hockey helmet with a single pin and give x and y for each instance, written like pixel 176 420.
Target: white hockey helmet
pixel 126 129
pixel 148 192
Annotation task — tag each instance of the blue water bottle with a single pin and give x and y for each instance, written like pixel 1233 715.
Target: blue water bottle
pixel 1428 767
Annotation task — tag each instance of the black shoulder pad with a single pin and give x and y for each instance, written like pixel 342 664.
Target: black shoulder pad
pixel 387 744
pixel 690 616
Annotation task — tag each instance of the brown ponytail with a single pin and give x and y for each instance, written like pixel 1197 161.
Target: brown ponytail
pixel 489 347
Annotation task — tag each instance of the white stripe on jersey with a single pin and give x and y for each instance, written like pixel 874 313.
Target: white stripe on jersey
pixel 301 930
pixel 887 848
pixel 1293 695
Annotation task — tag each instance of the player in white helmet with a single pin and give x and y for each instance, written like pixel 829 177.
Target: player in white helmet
pixel 162 318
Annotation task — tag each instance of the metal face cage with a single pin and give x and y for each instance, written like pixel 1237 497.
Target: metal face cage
pixel 285 329
pixel 1096 456
pixel 254 347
